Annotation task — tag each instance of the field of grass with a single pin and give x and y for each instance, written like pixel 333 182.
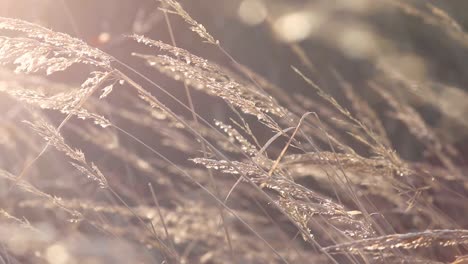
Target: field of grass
pixel 243 131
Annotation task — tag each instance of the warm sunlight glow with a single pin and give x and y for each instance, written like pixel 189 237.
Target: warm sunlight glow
pixel 297 26
pixel 233 131
pixel 57 254
pixel 252 12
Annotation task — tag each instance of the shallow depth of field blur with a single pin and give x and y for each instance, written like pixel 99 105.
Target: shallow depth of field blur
pixel 269 131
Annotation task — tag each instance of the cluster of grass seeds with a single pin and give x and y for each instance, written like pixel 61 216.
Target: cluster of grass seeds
pixel 155 181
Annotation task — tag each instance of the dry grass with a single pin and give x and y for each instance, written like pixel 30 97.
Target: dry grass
pixel 121 170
